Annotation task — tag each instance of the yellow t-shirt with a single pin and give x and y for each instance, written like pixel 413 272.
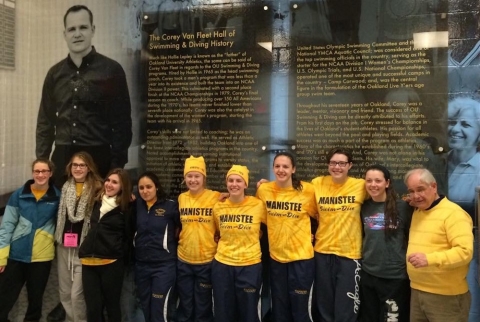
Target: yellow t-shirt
pixel 38 193
pixel 197 244
pixel 340 226
pixel 79 188
pixel 239 227
pixel 93 261
pixel 288 220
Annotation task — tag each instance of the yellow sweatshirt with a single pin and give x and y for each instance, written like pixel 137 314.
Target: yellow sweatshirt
pixel 444 234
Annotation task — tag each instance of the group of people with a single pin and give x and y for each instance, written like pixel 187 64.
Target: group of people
pixel 373 257
pixel 94 226
pixel 369 260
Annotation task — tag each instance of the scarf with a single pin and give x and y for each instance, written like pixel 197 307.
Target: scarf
pixel 77 209
pixel 108 203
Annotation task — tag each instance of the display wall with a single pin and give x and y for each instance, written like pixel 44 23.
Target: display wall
pixel 237 82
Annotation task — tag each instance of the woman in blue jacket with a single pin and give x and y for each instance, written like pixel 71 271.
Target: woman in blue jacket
pixel 26 241
pixel 157 225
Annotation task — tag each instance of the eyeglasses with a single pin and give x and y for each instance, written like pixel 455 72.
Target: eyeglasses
pixel 341 164
pixel 37 172
pixel 420 193
pixel 79 165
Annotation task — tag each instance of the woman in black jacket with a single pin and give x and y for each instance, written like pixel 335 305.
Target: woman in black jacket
pixel 104 248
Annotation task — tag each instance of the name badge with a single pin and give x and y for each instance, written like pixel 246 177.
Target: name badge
pixel 70 240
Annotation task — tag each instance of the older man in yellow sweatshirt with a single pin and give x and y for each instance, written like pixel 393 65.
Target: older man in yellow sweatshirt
pixel 439 251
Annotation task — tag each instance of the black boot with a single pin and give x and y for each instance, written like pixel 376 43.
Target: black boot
pixel 58 314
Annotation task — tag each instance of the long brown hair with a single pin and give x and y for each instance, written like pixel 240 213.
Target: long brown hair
pixel 390 211
pixel 296 183
pixel 125 194
pixel 92 179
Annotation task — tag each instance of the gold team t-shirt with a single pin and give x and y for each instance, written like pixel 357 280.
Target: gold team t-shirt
pixel 288 220
pixel 239 227
pixel 196 244
pixel 340 226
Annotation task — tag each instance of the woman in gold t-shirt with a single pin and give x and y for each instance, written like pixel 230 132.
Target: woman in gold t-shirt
pixel 237 268
pixel 290 204
pixel 196 246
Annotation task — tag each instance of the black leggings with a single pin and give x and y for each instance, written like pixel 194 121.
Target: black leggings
pixel 16 274
pixel 102 286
